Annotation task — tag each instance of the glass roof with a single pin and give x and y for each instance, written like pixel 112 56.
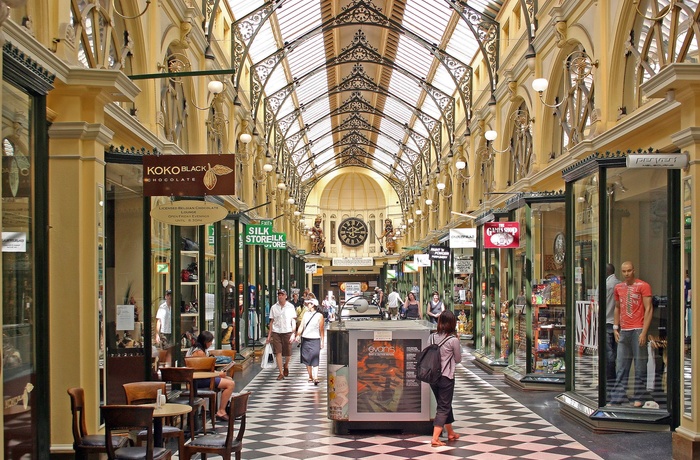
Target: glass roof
pixel 394 108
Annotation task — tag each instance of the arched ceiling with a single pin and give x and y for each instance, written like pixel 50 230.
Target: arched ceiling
pixel 370 83
pixel 352 191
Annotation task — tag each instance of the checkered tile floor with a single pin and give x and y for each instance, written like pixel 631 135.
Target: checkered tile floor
pixel 287 420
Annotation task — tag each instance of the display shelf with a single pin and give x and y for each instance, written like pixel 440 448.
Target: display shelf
pixel 549 339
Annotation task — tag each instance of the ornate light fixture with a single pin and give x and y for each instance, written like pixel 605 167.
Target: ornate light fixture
pixel 429 203
pixel 580 66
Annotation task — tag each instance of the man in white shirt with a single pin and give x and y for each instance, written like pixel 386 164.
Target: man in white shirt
pixel 281 334
pixel 164 320
pixel 393 302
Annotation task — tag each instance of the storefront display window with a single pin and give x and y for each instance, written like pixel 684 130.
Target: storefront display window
pixel 687 316
pixel 548 296
pixel 520 291
pixel 462 296
pixel 19 244
pixel 585 284
pixel 637 220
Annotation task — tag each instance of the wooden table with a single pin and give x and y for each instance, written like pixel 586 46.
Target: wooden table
pixel 165 410
pixel 205 375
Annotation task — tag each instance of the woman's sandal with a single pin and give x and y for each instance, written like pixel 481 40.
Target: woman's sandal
pixel 311 380
pixel 222 418
pixel 437 443
pixel 454 437
pixel 316 382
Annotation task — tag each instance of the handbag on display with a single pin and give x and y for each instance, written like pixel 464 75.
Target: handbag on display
pixel 189 245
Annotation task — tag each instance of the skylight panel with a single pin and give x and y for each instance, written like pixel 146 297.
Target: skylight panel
pixel 381 167
pixel 413 57
pixel 241 9
pixel 264 43
pixel 443 81
pixel 431 109
pixel 276 81
pixel 307 56
pixel 405 87
pixel 395 109
pixel 421 16
pixel 298 17
pixel 312 87
pixel 462 44
pixel 387 144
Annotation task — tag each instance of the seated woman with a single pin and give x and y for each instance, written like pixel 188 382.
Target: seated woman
pixel 223 383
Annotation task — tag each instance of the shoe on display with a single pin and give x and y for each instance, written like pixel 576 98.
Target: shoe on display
pixel 651 405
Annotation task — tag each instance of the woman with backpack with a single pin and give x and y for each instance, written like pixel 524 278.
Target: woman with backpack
pixel 444 388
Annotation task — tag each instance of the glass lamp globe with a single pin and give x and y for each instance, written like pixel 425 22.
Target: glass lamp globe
pixel 460 164
pixel 540 84
pixel 267 167
pixel 245 138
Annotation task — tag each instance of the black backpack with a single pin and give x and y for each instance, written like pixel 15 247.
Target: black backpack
pixel 428 365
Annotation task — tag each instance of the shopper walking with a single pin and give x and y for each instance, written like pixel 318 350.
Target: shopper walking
pixel 281 331
pixel 413 310
pixel 435 307
pixel 450 355
pixel 311 333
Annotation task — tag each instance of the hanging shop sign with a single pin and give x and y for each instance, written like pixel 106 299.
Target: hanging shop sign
pixel 501 235
pixel 410 267
pixel 187 213
pixel 658 160
pixel 421 260
pixel 263 235
pixel 438 253
pixel 310 267
pixel 463 238
pixel 353 262
pixel 463 266
pixel 188 175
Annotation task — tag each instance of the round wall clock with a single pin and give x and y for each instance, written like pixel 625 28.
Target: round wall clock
pixel 559 248
pixel 352 232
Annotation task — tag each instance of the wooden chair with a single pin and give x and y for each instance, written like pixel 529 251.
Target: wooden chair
pixel 122 417
pixel 230 353
pixel 146 393
pixel 85 444
pixel 218 444
pixel 206 364
pixel 180 376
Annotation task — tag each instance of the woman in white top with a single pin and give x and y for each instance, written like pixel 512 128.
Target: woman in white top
pixel 311 333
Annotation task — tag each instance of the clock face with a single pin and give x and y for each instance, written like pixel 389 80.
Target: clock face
pixel 352 232
pixel 559 248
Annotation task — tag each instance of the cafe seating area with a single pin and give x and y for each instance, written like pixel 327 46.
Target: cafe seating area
pixel 160 415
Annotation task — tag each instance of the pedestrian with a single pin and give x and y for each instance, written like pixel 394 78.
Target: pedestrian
pixel 393 303
pixel 435 307
pixel 444 388
pixel 633 314
pixel 611 351
pixel 413 310
pixel 311 333
pixel 164 321
pixel 281 332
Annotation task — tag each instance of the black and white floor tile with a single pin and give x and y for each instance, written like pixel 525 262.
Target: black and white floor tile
pixel 287 420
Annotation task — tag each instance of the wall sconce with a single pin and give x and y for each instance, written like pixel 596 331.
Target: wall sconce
pixel 578 63
pixel 428 203
pixel 487 152
pixel 297 213
pixel 281 186
pixel 260 176
pixel 290 200
pixel 114 8
pixel 441 186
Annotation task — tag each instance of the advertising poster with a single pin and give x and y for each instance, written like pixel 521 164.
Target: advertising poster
pixel 338 390
pixel 386 376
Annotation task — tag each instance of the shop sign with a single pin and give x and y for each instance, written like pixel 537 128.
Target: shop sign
pixel 463 266
pixel 188 213
pixel 263 235
pixel 301 252
pixel 501 235
pixel 210 234
pixel 353 262
pixel 410 267
pixel 391 274
pixel 463 238
pixel 310 268
pixel 421 260
pixel 14 242
pixel 438 253
pixel 188 175
pixel 658 160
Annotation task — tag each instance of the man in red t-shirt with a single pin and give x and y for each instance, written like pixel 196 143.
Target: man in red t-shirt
pixel 633 313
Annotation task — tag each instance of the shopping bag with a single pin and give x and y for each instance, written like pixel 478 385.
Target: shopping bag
pixel 268 359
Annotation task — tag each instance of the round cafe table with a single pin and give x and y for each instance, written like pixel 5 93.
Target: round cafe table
pixel 166 410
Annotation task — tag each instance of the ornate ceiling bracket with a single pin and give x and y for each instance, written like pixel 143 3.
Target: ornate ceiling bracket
pixel 244 32
pixel 486 31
